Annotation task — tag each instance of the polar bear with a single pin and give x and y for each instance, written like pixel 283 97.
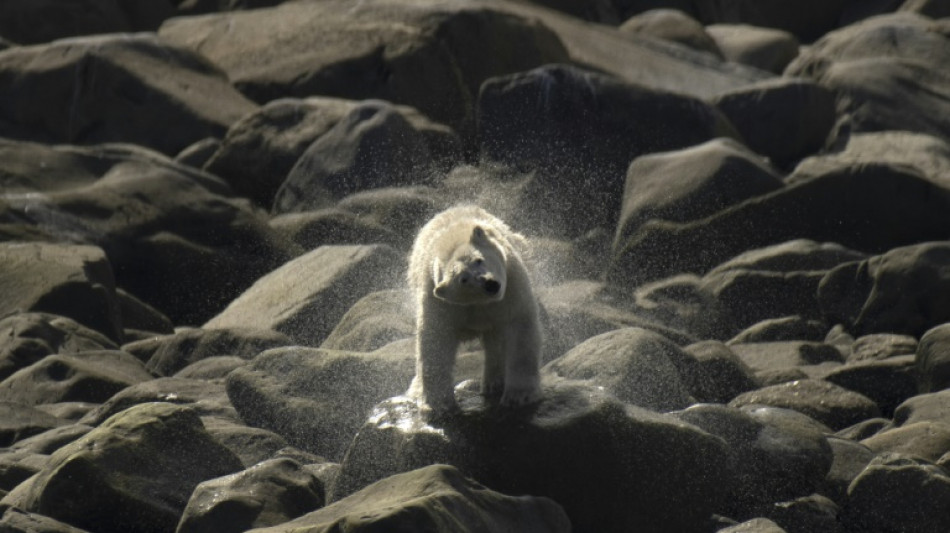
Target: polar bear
pixel 467 271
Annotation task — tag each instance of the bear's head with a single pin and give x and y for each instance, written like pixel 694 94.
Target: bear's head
pixel 474 272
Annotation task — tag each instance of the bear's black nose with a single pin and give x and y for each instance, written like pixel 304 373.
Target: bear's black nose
pixel 492 286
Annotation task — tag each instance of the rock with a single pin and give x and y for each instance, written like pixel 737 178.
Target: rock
pixel 683 303
pixel 850 458
pixel 211 368
pixel 373 322
pixel 824 401
pixel 18 466
pixel 169 354
pixel 931 8
pixel 251 445
pixel 896 493
pixel 865 429
pixel 928 440
pixel 807 21
pixel 692 183
pixel 784 119
pixel 306 297
pixel 637 366
pixel 19 421
pixel 719 374
pixel 312 229
pixel 775 455
pixel 756 525
pixel 797 255
pixel 51 440
pixel 371 147
pixel 67 280
pixel 769 49
pixel 871 221
pixel 900 291
pixel 930 407
pixel 79 377
pixel 424 56
pixel 29 22
pixel 672 25
pixel 114 88
pixel 433 498
pixel 883 81
pixel 18 521
pixel 928 154
pixel 145 461
pixel 813 513
pixel 199 152
pixel 140 316
pixel 879 346
pixel 933 359
pixel 202 397
pixel 71 411
pixel 887 382
pixel 26 338
pixel 316 399
pixel 640 469
pixel 787 328
pixel 784 354
pixel 266 494
pixel 582 151
pixel 167 229
pixel 403 210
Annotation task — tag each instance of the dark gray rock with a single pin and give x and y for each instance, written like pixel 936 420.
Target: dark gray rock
pixel 203 397
pixel 77 377
pixel 199 152
pixel 316 399
pixel 787 328
pixel 930 407
pixel 807 20
pixel 266 494
pixel 761 356
pixel 171 353
pixel 312 229
pixel 114 88
pixel 19 421
pixel 29 22
pixel 373 322
pixel 18 521
pixel 784 119
pixel 586 128
pixel 850 458
pixel 769 49
pixel 929 440
pixel 692 183
pixel 718 374
pixel 432 498
pixel 251 445
pixel 775 454
pixel 898 493
pixel 371 147
pixel 306 297
pixel 67 280
pixel 637 366
pixel 932 360
pixel 639 469
pixel 145 461
pixel 887 382
pixel 815 513
pixel 826 402
pixel 878 346
pixel 403 210
pixel 888 206
pixel 140 316
pixel 51 440
pixel 672 25
pixel 211 368
pixel 756 525
pixel 25 338
pixel 901 291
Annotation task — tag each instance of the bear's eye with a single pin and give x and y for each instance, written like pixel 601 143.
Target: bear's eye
pixel 479 261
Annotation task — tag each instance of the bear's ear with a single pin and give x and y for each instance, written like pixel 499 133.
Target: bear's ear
pixel 478 233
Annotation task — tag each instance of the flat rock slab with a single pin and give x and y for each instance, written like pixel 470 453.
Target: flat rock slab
pixel 306 297
pixel 824 401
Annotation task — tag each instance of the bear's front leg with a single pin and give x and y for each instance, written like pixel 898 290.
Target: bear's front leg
pixel 522 364
pixel 435 362
pixel 496 348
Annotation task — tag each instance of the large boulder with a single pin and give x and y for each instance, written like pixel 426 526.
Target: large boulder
pixel 672 25
pixel 129 88
pixel 430 56
pixel 168 354
pixel 807 20
pixel 134 473
pixel 932 359
pixel 901 291
pixel 585 128
pixel 612 467
pixel 19 421
pixel 306 297
pixel 67 280
pixel 692 183
pixel 887 206
pixel 168 230
pixel 824 401
pixel 267 494
pixel 436 498
pixel 79 377
pixel 316 399
pixel 890 72
pixel 25 338
pixel 769 49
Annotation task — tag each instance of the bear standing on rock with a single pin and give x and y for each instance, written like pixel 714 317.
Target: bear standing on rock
pixel 468 274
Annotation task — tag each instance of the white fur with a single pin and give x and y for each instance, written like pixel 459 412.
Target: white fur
pixel 468 273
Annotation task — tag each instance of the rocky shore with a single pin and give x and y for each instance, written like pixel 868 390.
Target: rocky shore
pixel 740 221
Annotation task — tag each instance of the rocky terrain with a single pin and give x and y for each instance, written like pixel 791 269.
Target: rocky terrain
pixel 740 220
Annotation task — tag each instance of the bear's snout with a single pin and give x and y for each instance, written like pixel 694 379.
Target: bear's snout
pixel 492 286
